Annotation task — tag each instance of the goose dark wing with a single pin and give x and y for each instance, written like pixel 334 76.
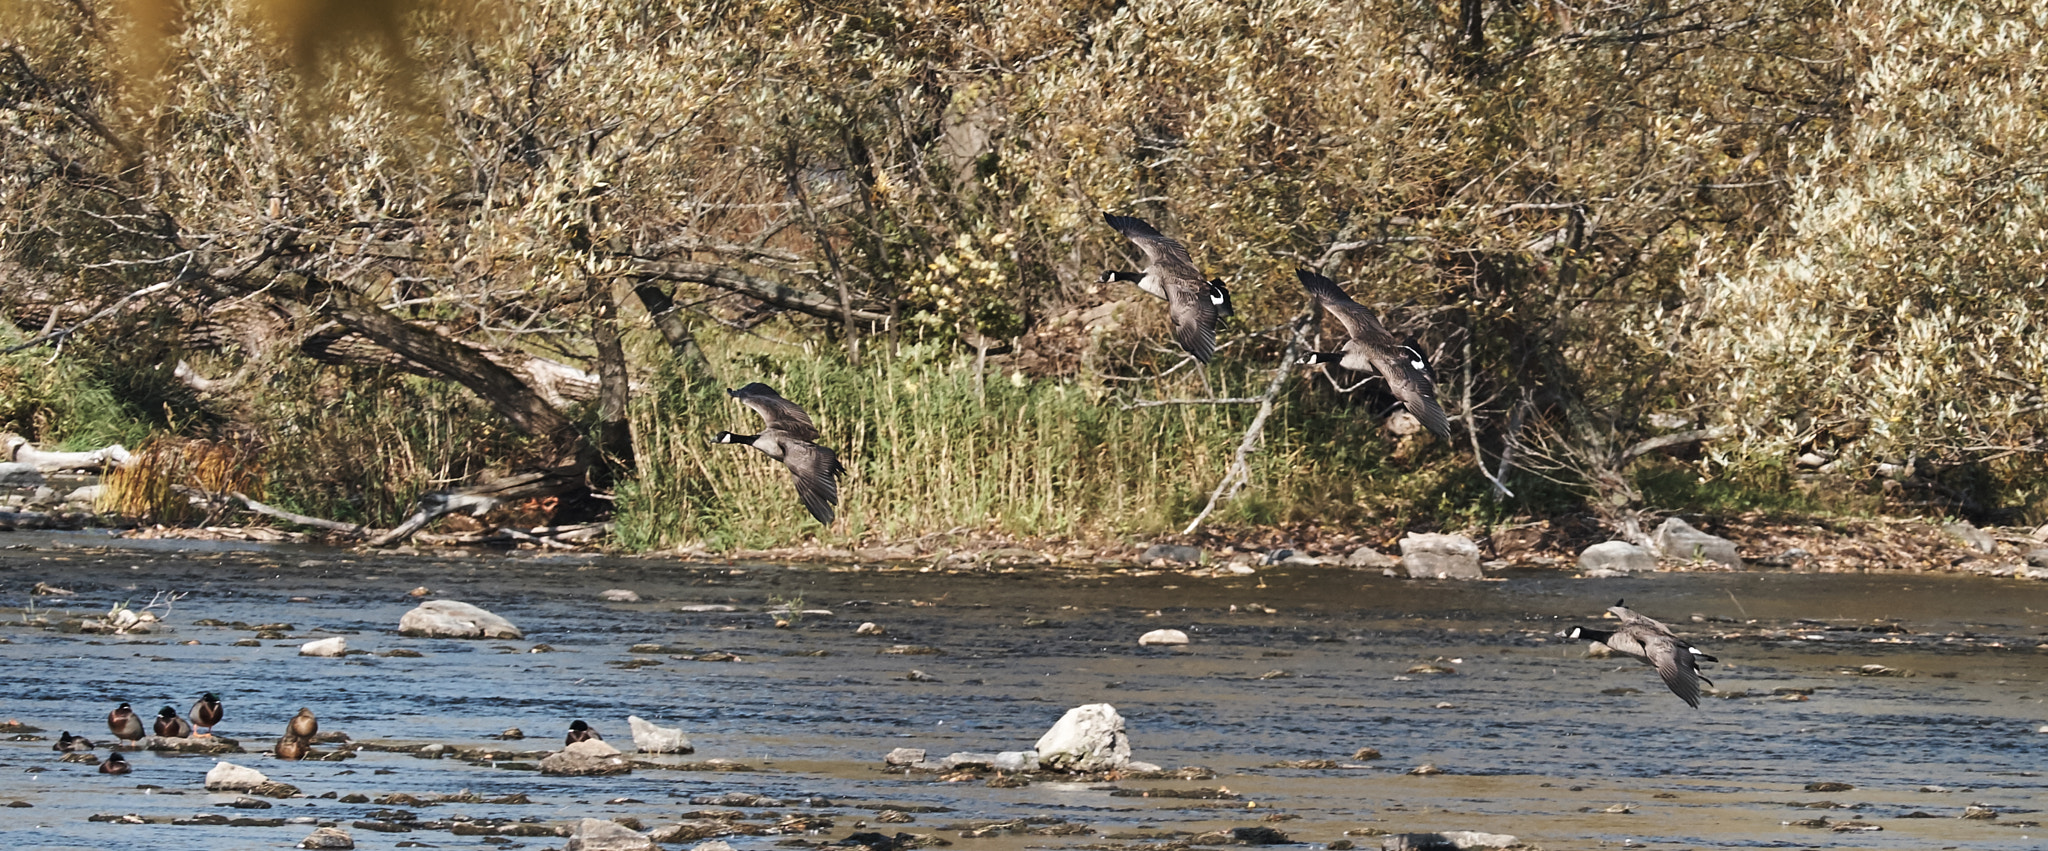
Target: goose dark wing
pixel 1194 315
pixel 777 414
pixel 1358 321
pixel 1631 617
pixel 816 470
pixel 1675 664
pixel 1165 255
pixel 1407 375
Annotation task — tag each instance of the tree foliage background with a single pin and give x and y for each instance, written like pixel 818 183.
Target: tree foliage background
pixel 1653 250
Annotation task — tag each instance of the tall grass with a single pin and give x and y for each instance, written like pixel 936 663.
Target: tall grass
pixel 359 445
pixel 927 451
pixel 60 403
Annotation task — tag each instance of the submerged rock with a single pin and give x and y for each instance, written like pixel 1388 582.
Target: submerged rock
pixel 1677 539
pixel 328 837
pixel 455 619
pixel 1449 840
pixel 904 756
pixel 1163 637
pixel 648 738
pixel 593 834
pixel 1616 556
pixel 1429 556
pixel 229 777
pixel 327 647
pixel 1087 738
pixel 586 758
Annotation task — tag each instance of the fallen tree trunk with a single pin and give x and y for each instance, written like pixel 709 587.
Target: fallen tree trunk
pixel 480 498
pixel 20 451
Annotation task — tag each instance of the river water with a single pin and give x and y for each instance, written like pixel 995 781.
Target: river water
pixel 1533 737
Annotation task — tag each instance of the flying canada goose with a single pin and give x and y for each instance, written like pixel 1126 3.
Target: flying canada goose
pixel 124 724
pixel 170 726
pixel 205 713
pixel 68 743
pixel 1652 643
pixel 303 725
pixel 787 435
pixel 1370 348
pixel 1194 304
pixel 116 764
pixel 580 732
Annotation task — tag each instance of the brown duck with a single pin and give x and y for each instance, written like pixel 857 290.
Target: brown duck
pixel 125 725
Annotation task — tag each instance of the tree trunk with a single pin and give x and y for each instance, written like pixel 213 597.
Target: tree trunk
pixel 512 398
pixel 614 437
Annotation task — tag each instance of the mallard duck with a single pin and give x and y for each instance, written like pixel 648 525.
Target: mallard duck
pixel 205 713
pixel 787 435
pixel 1369 348
pixel 68 743
pixel 124 724
pixel 116 764
pixel 1652 643
pixel 170 726
pixel 303 725
pixel 1194 304
pixel 580 732
pixel 292 748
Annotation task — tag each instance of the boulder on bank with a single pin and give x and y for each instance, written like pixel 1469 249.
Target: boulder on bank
pixel 1971 537
pixel 1173 552
pixel 1430 556
pixel 229 777
pixel 1449 840
pixel 1087 738
pixel 586 758
pixel 648 738
pixel 1677 539
pixel 1617 557
pixel 455 619
pixel 1368 558
pixel 596 834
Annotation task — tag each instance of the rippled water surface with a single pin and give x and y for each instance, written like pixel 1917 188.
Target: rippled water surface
pixel 1535 739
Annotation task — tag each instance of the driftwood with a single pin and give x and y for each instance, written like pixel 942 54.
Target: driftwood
pixel 481 498
pixel 19 451
pixel 349 529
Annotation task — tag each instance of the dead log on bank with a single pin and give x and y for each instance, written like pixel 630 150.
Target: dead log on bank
pixel 20 451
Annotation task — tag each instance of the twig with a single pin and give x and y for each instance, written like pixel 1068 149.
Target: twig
pixel 301 519
pixel 61 334
pixel 1240 470
pixel 1500 490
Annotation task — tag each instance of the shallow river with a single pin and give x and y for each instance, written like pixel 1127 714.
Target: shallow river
pixel 1534 738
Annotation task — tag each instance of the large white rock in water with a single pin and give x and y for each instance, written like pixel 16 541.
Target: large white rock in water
pixel 330 647
pixel 587 757
pixel 1087 738
pixel 1429 556
pixel 1163 637
pixel 596 834
pixel 1677 539
pixel 648 738
pixel 455 619
pixel 229 777
pixel 1618 556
